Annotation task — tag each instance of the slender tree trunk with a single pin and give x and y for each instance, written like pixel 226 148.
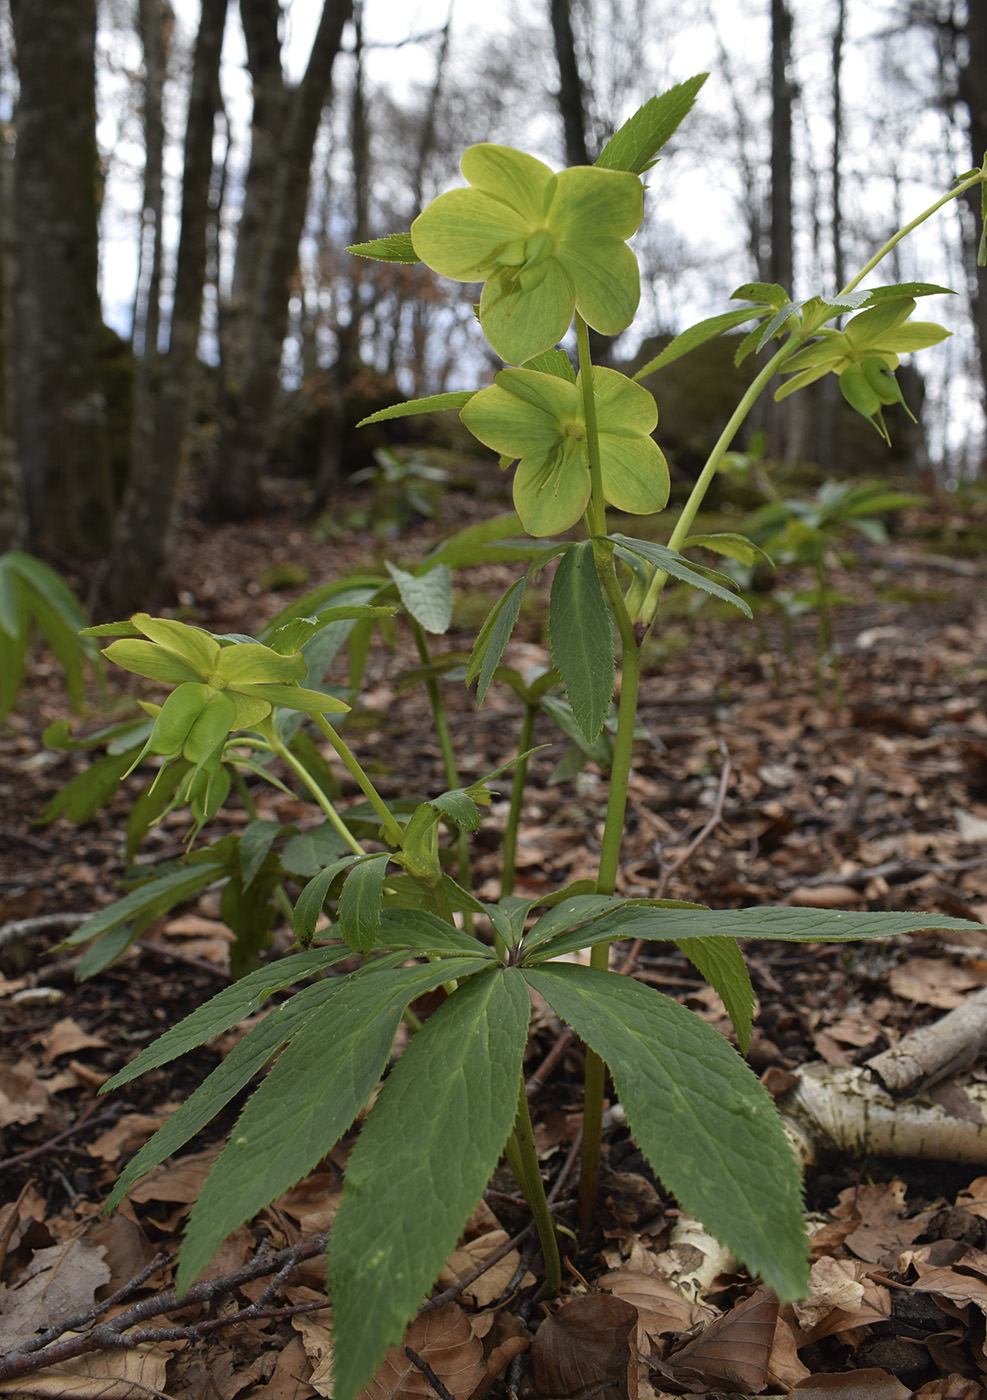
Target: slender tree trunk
pixel 13 520
pixel 785 419
pixel 146 518
pixel 60 405
pixel 572 103
pixel 243 447
pixel 973 91
pixel 828 390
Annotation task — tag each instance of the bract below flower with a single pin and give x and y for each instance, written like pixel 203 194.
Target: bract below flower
pixel 538 418
pixel 543 244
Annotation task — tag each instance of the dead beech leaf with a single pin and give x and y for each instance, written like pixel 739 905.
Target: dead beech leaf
pixel 23 1096
pixel 934 982
pixel 101 1375
pixel 735 1350
pixel 872 1384
pixel 444 1339
pixel 59 1282
pixel 66 1037
pixel 179 1181
pixel 490 1285
pixel 660 1307
pixel 128 1134
pixel 585 1348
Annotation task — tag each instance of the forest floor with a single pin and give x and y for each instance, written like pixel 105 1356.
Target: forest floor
pixel 879 802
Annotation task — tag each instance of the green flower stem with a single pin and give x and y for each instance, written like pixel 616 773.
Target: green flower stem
pixel 896 238
pixel 392 832
pixel 649 608
pixel 596 511
pixel 523 1162
pixel 299 769
pixel 508 869
pixel 440 719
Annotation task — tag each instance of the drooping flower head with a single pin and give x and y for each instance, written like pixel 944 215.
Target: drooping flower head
pixel 538 418
pixel 543 244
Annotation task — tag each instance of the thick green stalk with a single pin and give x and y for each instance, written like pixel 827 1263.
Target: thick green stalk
pixel 522 1159
pixel 508 868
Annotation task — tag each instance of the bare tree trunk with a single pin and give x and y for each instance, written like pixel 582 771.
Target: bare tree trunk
pixel 828 389
pixel 571 96
pixel 785 417
pixel 146 517
pixel 60 406
pixel 13 520
pixel 973 91
pixel 243 446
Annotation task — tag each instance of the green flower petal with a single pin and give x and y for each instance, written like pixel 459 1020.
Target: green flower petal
pixel 521 321
pixel 635 474
pixel 252 662
pixel 549 495
pixel 150 660
pixel 250 709
pixel 870 327
pixel 462 232
pixel 623 407
pixel 196 647
pixel 916 335
pixel 520 181
pixel 211 728
pixel 508 424
pixel 596 206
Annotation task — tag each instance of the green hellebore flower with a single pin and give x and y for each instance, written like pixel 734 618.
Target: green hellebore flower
pixel 538 418
pixel 543 244
pixel 864 355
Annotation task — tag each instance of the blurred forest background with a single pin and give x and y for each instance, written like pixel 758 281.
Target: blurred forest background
pixel 179 180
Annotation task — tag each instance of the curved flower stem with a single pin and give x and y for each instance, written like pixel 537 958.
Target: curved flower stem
pixel 392 832
pixel 896 238
pixel 649 608
pixel 523 1161
pixel 298 768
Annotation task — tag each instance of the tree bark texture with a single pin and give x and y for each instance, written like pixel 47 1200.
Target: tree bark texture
pixel 571 97
pixel 13 520
pixel 143 530
pixel 60 406
pixel 244 441
pixel 973 91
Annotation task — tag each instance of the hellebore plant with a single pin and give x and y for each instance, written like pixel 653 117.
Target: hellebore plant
pixel 548 248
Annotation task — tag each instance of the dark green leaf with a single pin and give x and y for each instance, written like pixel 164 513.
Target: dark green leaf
pixel 722 964
pixel 580 630
pixel 426 1152
pixel 149 900
pixel 684 569
pixel 313 896
pixel 360 903
pixel 425 933
pixel 83 796
pixel 316 1088
pixel 707 1126
pixel 493 638
pixel 307 853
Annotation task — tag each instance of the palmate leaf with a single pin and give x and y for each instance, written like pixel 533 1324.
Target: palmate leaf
pixel 788 925
pixel 493 638
pixel 318 1085
pixel 435 403
pixel 707 1126
pixel 580 630
pixel 247 1058
pixel 423 1158
pixel 360 903
pixel 684 569
pixel 721 963
pixel 699 334
pixel 396 247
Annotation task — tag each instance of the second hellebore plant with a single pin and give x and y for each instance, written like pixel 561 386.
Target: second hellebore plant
pixel 379 892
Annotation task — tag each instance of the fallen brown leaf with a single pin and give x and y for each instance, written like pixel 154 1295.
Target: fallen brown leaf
pixel 585 1349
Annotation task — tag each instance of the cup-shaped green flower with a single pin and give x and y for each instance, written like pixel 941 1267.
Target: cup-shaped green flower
pixel 864 355
pixel 538 418
pixel 543 244
pixel 218 688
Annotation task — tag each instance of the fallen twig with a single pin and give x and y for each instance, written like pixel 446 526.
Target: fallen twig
pixel 38 1353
